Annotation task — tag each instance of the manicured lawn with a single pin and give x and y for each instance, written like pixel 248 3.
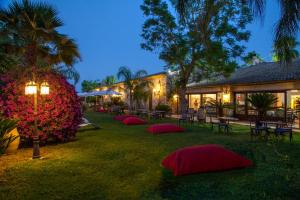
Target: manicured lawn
pixel 120 162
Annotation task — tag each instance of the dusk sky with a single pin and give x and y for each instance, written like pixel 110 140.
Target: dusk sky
pixel 108 34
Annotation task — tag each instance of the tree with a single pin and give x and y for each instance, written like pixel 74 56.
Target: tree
pixel 252 58
pixel 205 43
pixel 285 50
pixel 109 80
pixel 286 27
pixel 88 86
pixel 32 30
pixel 131 80
pixel 141 91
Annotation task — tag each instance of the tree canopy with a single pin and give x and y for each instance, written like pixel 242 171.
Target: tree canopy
pixel 30 30
pixel 206 43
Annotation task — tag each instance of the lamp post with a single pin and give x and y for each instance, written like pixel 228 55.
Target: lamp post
pixel 31 88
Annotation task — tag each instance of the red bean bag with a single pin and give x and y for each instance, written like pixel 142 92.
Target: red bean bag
pixel 122 117
pixel 134 121
pixel 203 158
pixel 102 110
pixel 164 128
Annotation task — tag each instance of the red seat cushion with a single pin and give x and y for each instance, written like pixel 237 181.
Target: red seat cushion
pixel 203 158
pixel 164 128
pixel 102 110
pixel 122 117
pixel 134 121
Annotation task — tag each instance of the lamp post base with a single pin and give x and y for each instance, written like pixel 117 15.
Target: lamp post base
pixel 36 148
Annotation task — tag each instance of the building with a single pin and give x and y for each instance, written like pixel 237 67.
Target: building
pixel 283 82
pixel 158 91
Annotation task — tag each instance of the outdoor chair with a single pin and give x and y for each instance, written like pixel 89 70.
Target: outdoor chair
pixel 223 124
pixel 213 122
pixel 258 128
pixel 186 118
pixel 201 115
pixel 286 128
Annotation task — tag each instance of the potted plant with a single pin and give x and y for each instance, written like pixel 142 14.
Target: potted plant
pixel 9 136
pixel 262 102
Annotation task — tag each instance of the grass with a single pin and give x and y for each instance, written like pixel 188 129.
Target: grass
pixel 120 162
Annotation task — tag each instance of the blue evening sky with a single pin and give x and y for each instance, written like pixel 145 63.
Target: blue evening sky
pixel 108 34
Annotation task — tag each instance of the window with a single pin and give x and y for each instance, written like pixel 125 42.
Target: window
pixel 208 97
pixel 194 101
pixel 240 99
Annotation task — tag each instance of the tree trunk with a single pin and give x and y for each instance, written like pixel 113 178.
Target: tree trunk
pixel 182 99
pixel 31 55
pixel 130 101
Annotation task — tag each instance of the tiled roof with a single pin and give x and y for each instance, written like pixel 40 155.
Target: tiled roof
pixel 261 73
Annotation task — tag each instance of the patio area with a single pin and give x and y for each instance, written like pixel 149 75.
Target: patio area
pixel 118 163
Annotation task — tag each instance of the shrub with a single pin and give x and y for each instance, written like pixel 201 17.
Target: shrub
pixel 59 113
pixel 163 107
pixel 6 125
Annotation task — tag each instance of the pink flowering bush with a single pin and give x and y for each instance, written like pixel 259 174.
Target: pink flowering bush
pixel 59 113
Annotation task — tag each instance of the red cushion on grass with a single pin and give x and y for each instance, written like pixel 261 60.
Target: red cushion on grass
pixel 164 128
pixel 203 158
pixel 102 110
pixel 122 117
pixel 134 121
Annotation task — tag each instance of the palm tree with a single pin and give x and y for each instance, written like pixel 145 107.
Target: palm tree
pixel 33 28
pixel 285 50
pixel 130 80
pixel 142 91
pixel 109 80
pixel 286 27
pixel 262 102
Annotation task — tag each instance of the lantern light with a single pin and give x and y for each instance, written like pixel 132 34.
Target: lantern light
pixel 226 97
pixel 45 88
pixel 30 88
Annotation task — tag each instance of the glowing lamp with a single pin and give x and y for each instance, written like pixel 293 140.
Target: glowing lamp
pixel 30 88
pixel 45 88
pixel 175 96
pixel 226 97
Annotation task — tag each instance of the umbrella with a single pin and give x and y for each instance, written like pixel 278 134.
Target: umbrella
pixel 111 92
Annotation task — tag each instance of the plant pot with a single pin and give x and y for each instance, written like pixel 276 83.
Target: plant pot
pixel 13 146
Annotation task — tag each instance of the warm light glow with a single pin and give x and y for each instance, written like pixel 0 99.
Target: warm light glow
pixel 293 100
pixel 30 88
pixel 45 89
pixel 175 96
pixel 226 98
pixel 154 90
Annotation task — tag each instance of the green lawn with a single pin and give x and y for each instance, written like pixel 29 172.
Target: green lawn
pixel 120 162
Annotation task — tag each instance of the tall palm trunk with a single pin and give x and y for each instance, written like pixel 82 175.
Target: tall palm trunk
pixel 130 100
pixel 31 55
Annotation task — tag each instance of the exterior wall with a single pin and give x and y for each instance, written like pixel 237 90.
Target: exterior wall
pixel 158 92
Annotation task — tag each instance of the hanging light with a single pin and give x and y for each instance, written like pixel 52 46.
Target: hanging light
pixel 30 88
pixel 45 89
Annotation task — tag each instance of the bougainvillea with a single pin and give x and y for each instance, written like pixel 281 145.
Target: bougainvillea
pixel 59 113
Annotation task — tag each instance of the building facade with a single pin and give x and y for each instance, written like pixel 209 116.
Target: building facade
pixel 283 82
pixel 158 93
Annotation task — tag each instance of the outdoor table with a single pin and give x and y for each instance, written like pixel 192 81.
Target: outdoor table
pixel 161 113
pixel 276 124
pixel 281 128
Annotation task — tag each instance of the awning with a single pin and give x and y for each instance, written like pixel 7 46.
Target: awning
pixel 108 92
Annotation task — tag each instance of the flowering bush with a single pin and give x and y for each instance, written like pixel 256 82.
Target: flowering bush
pixel 59 113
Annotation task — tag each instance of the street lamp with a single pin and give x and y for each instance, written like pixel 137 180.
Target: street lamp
pixel 31 88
